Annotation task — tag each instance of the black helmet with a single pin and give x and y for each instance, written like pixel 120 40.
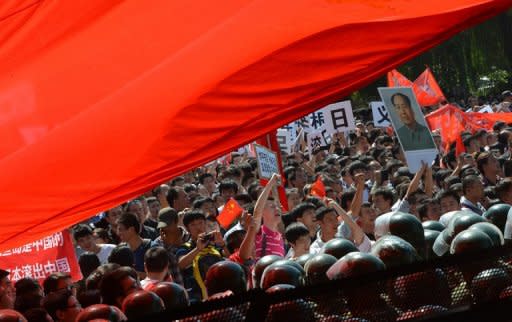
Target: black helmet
pixel 487 285
pixel 316 268
pixel 260 266
pixel 296 310
pixel 174 295
pixel 281 274
pixel 101 311
pixel 497 215
pixel 433 225
pixel 225 276
pixel 430 238
pixel 469 241
pixel 339 247
pixel 411 291
pixel 279 288
pixel 303 259
pixel 292 263
pixel 459 222
pixel 403 225
pixel 355 264
pixel 141 303
pixel 394 251
pixel 492 231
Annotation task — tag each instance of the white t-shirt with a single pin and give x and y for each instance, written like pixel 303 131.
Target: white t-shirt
pixel 105 251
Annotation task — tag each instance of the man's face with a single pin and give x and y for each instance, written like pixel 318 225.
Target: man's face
pixel 301 245
pixel 209 208
pixel 300 178
pixel 367 220
pixel 271 214
pixel 477 190
pixel 182 202
pixel 196 227
pixel 125 234
pixel 492 166
pixel 154 208
pixel 433 211
pixel 449 204
pixel 209 183
pixel 380 204
pixel 308 219
pixel 403 109
pixel 8 290
pixel 137 209
pixel 293 199
pixel 87 243
pixel 228 193
pixel 329 226
pixel 71 311
pixel 113 214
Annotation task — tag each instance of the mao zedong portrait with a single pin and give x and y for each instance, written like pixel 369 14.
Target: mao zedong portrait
pixel 413 135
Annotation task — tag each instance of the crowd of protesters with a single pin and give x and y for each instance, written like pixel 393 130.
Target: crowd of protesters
pixel 166 250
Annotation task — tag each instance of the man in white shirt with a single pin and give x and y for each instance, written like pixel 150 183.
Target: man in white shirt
pixel 85 240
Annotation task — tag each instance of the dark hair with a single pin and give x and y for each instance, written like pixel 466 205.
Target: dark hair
pixel 192 216
pixel 234 240
pixel 88 262
pixel 289 173
pixel 89 297
pixel 51 282
pixel 447 194
pixel 243 198
pixel 27 295
pixel 203 177
pixel 172 195
pixel 175 180
pixel 481 160
pixel 423 208
pixel 94 280
pixel 321 212
pixel 122 255
pixel 102 233
pixel 128 220
pixel 156 259
pixel 252 190
pixel 405 97
pixel 228 185
pixel 81 230
pixel 199 202
pixel 317 202
pixel 346 197
pixel 300 209
pixel 386 193
pixel 36 314
pixel 468 182
pixel 111 286
pixel 56 301
pixel 452 180
pixel 356 165
pixel 295 231
pixel 503 187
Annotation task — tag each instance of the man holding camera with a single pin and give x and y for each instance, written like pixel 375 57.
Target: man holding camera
pixel 198 254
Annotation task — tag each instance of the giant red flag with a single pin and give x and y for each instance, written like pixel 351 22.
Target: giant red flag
pixel 102 100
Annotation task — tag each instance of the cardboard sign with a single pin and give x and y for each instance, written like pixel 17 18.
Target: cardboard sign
pixel 339 117
pixel 283 139
pixel 380 114
pixel 42 257
pixel 267 162
pixel 317 141
pixel 410 126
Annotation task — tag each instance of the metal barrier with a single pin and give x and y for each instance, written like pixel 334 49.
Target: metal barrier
pixel 466 287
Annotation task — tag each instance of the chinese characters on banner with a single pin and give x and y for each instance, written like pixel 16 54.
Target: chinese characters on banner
pixel 54 253
pixel 267 162
pixel 380 114
pixel 317 141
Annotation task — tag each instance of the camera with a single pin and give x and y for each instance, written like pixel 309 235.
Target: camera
pixel 208 238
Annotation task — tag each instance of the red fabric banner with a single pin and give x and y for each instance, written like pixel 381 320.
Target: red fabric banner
pixel 100 101
pixel 451 121
pixel 38 259
pixel 396 79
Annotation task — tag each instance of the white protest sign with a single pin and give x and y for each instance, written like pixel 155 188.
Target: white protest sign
pixel 297 144
pixel 267 162
pixel 283 139
pixel 316 141
pixel 303 123
pixel 338 117
pixel 380 114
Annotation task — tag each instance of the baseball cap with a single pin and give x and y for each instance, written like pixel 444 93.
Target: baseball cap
pixel 166 216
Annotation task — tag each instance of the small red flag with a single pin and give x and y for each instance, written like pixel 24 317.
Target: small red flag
pixel 229 213
pixel 318 188
pixel 427 90
pixel 459 146
pixel 395 79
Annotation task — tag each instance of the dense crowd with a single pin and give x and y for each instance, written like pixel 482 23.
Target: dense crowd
pixel 166 249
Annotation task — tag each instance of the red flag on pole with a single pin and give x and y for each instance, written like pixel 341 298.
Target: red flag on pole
pixel 229 213
pixel 396 79
pixel 427 89
pixel 318 188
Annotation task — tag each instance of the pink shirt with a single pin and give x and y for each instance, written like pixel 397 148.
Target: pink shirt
pixel 274 243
